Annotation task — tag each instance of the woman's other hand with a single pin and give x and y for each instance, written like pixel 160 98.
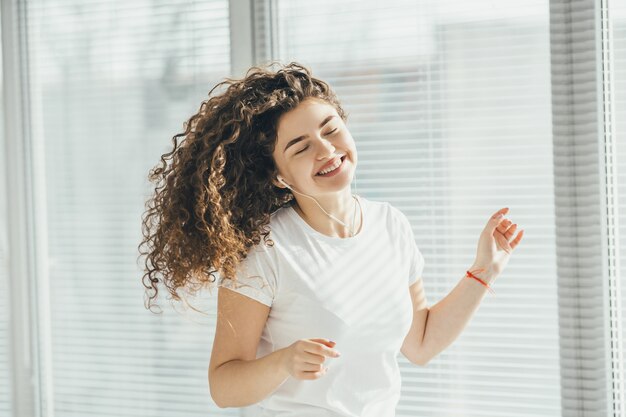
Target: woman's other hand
pixel 304 359
pixel 495 246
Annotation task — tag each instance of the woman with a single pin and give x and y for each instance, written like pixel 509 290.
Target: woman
pixel 311 319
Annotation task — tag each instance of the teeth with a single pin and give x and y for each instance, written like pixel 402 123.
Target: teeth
pixel 332 168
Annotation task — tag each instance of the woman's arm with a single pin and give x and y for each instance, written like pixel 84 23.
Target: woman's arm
pixel 240 383
pixel 236 377
pixel 446 320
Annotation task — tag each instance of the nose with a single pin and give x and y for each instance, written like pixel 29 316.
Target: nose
pixel 324 153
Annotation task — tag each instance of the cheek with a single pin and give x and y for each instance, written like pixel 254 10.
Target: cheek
pixel 302 167
pixel 293 168
pixel 280 162
pixel 351 145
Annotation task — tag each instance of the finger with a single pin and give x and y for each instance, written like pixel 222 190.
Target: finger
pixel 313 358
pixel 495 220
pixel 313 374
pixel 318 374
pixel 504 225
pixel 502 211
pixel 331 353
pixel 510 232
pixel 326 342
pixel 316 370
pixel 312 367
pixel 321 350
pixel 517 239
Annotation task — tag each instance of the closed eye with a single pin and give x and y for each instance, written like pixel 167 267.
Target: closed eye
pixel 307 146
pixel 303 149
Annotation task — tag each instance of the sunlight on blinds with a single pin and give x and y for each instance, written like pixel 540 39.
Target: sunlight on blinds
pixel 112 82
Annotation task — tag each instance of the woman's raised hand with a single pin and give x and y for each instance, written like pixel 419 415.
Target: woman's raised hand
pixel 304 359
pixel 496 244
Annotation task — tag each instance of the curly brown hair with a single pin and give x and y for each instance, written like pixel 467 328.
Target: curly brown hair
pixel 213 193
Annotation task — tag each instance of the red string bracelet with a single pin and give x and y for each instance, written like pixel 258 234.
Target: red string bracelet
pixel 470 275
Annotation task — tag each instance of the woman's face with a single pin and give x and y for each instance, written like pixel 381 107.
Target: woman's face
pixel 309 137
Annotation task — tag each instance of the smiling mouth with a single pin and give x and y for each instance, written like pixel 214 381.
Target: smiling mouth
pixel 342 159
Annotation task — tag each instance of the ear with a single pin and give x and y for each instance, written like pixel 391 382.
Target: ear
pixel 277 183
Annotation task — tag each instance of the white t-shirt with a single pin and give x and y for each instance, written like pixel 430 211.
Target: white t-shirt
pixel 353 291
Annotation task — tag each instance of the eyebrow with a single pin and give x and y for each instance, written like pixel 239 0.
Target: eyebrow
pixel 299 138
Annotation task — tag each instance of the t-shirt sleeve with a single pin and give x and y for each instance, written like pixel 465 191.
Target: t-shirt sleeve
pixel 417 262
pixel 255 276
pixel 416 259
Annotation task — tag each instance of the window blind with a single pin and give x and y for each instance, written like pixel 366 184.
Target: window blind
pixel 583 152
pixel 111 83
pixel 617 14
pixel 5 366
pixel 450 107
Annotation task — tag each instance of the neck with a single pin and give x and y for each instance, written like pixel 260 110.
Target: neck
pixel 342 206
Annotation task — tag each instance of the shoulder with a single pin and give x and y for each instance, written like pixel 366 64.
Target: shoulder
pixel 375 208
pixel 397 221
pixel 393 215
pixel 282 226
pixel 386 215
pixel 394 211
pixel 280 216
pixel 281 234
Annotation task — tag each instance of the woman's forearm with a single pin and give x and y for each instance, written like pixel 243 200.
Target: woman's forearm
pixel 447 319
pixel 242 383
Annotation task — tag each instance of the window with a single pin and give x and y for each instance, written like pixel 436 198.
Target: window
pixel 112 82
pixel 458 109
pixel 618 23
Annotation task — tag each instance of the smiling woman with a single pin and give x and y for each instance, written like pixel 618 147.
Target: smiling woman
pixel 312 319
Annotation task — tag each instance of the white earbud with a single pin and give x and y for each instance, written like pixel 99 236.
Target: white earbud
pixel 283 181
